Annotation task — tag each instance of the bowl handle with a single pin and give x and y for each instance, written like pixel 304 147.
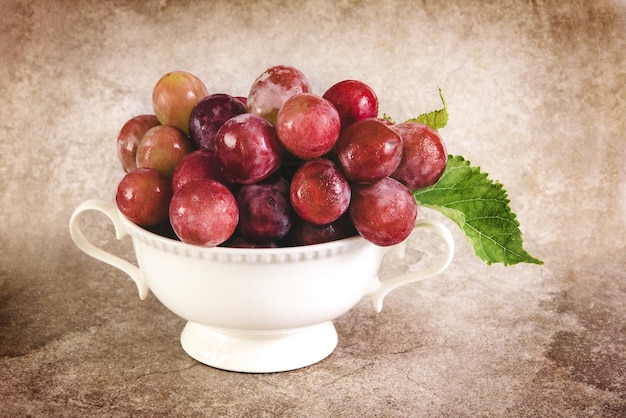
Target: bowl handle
pixel 110 210
pixel 382 288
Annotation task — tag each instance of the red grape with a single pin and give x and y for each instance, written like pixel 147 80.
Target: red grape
pixel 174 96
pixel 203 212
pixel 307 125
pixel 196 165
pixel 265 213
pixel 248 148
pixel 273 87
pixel 209 114
pixel 129 137
pixel 369 150
pixel 424 156
pixel 143 196
pixel 354 101
pixel 162 147
pixel 319 193
pixel 307 233
pixel 383 212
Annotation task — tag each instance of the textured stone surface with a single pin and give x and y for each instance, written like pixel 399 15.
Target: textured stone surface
pixel 537 97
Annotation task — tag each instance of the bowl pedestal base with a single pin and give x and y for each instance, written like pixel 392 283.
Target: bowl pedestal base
pixel 264 351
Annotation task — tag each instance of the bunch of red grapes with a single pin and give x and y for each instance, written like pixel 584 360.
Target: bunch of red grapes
pixel 280 167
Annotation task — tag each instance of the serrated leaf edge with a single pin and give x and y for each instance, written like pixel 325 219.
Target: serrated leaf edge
pixel 466 223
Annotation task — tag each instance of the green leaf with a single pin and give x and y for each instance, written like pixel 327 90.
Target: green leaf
pixel 436 119
pixel 480 207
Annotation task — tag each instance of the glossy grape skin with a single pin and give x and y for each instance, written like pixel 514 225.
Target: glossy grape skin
pixel 203 212
pixel 308 126
pixel 265 214
pixel 208 116
pixel 128 139
pixel 369 151
pixel 248 148
pixel 354 101
pixel 198 164
pixel 319 193
pixel 143 196
pixel 307 233
pixel 424 156
pixel 174 96
pixel 271 89
pixel 383 212
pixel 162 147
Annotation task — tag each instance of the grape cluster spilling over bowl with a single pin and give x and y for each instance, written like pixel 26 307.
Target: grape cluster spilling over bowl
pixel 281 167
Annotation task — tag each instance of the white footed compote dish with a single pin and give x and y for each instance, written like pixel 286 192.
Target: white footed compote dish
pixel 256 310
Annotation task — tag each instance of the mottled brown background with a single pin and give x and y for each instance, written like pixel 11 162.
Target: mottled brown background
pixel 537 98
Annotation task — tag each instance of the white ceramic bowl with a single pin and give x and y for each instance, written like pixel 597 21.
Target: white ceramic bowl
pixel 255 310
